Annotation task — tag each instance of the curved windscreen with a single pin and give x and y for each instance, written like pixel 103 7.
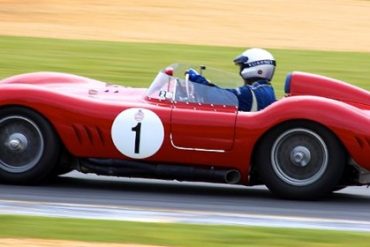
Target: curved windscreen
pixel 174 88
pixel 218 77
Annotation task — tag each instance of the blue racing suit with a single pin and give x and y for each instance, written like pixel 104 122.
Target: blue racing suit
pixel 253 97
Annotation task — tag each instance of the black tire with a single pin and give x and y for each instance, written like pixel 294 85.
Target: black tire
pixel 29 147
pixel 66 163
pixel 300 160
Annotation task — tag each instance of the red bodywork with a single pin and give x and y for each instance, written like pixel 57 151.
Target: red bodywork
pixel 82 112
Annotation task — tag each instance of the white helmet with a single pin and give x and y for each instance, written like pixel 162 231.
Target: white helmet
pixel 256 63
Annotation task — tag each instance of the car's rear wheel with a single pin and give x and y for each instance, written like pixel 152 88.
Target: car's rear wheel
pixel 301 160
pixel 29 147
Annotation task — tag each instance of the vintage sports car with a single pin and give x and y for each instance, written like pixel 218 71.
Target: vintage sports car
pixel 313 141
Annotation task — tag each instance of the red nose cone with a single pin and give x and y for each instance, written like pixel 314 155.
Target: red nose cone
pixel 169 71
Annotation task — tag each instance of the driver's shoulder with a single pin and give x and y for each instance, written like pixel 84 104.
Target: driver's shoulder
pixel 260 83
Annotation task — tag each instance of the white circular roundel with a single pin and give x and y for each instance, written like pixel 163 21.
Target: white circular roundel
pixel 137 133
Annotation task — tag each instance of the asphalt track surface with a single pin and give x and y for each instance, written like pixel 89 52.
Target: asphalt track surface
pixel 350 204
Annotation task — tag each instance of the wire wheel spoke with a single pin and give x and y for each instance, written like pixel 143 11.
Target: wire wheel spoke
pixel 299 157
pixel 22 144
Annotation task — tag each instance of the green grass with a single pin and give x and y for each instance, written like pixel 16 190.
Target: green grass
pixel 172 234
pixel 135 64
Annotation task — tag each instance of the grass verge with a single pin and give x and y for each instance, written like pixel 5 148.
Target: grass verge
pixel 172 234
pixel 135 64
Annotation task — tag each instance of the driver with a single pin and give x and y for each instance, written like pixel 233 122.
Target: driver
pixel 257 67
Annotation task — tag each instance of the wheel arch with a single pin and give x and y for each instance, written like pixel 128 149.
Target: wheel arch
pixel 39 113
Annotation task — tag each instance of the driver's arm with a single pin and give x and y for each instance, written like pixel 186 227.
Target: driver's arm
pixel 194 76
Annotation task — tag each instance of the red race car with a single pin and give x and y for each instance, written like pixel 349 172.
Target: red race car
pixel 313 141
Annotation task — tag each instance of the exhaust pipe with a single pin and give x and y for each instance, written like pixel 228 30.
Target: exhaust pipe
pixel 232 177
pixel 123 168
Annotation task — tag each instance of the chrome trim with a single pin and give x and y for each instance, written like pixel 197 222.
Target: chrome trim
pixel 17 142
pixel 195 149
pixel 300 156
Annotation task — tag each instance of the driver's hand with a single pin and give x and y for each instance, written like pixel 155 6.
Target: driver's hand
pixel 196 77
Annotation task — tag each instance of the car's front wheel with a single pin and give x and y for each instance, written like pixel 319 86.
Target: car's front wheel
pixel 301 160
pixel 29 147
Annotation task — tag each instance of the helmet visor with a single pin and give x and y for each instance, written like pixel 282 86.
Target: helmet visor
pixel 239 60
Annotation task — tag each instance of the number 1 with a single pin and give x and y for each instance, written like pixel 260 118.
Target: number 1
pixel 137 130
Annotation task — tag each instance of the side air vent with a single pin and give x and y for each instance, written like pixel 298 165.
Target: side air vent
pixel 368 141
pixel 360 142
pixel 363 142
pixel 90 135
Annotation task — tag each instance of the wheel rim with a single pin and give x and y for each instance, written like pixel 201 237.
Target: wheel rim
pixel 21 144
pixel 299 157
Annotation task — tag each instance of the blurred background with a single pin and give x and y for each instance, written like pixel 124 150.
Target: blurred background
pixel 314 25
pixel 127 42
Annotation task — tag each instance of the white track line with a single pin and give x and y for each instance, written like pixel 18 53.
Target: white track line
pixel 67 210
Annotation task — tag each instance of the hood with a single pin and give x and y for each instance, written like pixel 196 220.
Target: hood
pixel 45 78
pixel 70 84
